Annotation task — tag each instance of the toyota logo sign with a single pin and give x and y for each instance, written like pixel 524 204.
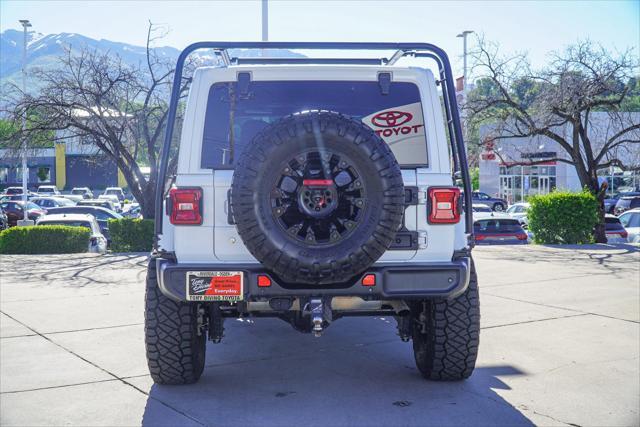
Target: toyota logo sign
pixel 389 119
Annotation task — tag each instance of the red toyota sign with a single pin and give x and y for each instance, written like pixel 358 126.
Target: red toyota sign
pixel 389 119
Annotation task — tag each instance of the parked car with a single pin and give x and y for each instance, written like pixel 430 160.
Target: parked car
pixel 132 210
pixel 630 220
pixel 114 191
pixel 13 190
pixel 117 206
pixel 338 158
pixel 614 230
pixel 626 203
pixel 85 192
pixel 4 221
pixel 103 203
pixel 52 202
pixel 610 202
pixel 16 197
pixel 519 211
pixel 480 207
pixel 97 241
pixel 102 215
pixel 15 211
pixel 48 190
pixel 494 203
pixel 495 229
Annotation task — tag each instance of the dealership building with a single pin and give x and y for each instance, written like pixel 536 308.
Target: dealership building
pixel 74 163
pixel 504 171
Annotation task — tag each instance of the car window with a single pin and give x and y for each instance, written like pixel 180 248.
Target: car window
pixel 85 224
pixel 500 225
pixel 234 118
pixel 612 223
pixel 630 219
pixel 31 205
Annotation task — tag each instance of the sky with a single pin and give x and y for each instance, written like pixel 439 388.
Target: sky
pixel 537 27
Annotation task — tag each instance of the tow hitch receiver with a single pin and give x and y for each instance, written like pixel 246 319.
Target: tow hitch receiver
pixel 316 307
pixel 320 311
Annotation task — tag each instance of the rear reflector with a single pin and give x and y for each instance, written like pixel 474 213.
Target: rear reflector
pixel 264 281
pixel 443 205
pixel 186 206
pixel 369 280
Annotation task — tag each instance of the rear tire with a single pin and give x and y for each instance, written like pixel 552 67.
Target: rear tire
pixel 449 348
pixel 498 207
pixel 175 350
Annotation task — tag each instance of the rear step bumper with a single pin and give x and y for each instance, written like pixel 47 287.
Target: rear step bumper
pixel 393 281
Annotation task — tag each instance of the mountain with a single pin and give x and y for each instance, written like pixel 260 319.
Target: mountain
pixel 44 50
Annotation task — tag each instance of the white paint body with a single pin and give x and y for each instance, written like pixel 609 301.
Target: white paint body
pixel 217 241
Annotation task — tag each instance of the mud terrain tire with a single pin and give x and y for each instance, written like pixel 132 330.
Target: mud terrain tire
pixel 175 351
pixel 312 147
pixel 449 348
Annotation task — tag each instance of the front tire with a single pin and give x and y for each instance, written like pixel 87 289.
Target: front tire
pixel 447 347
pixel 175 347
pixel 498 207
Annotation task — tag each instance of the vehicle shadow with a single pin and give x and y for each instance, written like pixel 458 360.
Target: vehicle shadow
pixel 340 379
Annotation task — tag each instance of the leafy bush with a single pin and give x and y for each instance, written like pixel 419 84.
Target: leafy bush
pixel 563 217
pixel 131 235
pixel 44 239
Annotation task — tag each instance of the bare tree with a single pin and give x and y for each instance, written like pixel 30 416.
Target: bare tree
pixel 98 98
pixel 560 103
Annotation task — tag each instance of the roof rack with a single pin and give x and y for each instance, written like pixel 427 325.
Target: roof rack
pixel 416 50
pixel 332 61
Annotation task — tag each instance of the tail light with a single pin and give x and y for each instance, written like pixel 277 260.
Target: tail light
pixel 480 236
pixel 522 236
pixel 444 205
pixel 185 206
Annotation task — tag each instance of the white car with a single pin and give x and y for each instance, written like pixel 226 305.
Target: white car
pixel 631 222
pixel 48 190
pixel 519 211
pixel 113 199
pixel 97 241
pixel 333 196
pixel 114 191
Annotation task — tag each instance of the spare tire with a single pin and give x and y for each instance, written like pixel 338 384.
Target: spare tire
pixel 317 197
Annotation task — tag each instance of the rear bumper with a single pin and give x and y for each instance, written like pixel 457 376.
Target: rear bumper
pixel 393 281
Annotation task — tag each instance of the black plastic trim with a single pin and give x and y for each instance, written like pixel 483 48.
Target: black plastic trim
pixel 393 281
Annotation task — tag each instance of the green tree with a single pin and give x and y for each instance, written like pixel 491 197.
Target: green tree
pixel 558 102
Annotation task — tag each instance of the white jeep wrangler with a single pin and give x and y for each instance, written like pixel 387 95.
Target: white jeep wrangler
pixel 310 190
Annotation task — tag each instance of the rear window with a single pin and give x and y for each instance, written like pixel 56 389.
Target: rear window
pixel 68 223
pixel 497 226
pixel 611 223
pixel 232 119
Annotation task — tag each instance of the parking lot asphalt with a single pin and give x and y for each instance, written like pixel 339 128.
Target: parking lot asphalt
pixel 560 345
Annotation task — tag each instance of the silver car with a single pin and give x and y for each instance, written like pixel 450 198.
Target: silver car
pixel 97 241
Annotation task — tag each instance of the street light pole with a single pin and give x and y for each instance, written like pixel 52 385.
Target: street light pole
pixel 25 172
pixel 265 20
pixel 464 35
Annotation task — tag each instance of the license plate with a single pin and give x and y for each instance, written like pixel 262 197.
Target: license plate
pixel 215 286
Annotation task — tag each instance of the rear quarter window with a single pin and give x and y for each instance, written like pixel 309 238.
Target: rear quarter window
pixel 233 119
